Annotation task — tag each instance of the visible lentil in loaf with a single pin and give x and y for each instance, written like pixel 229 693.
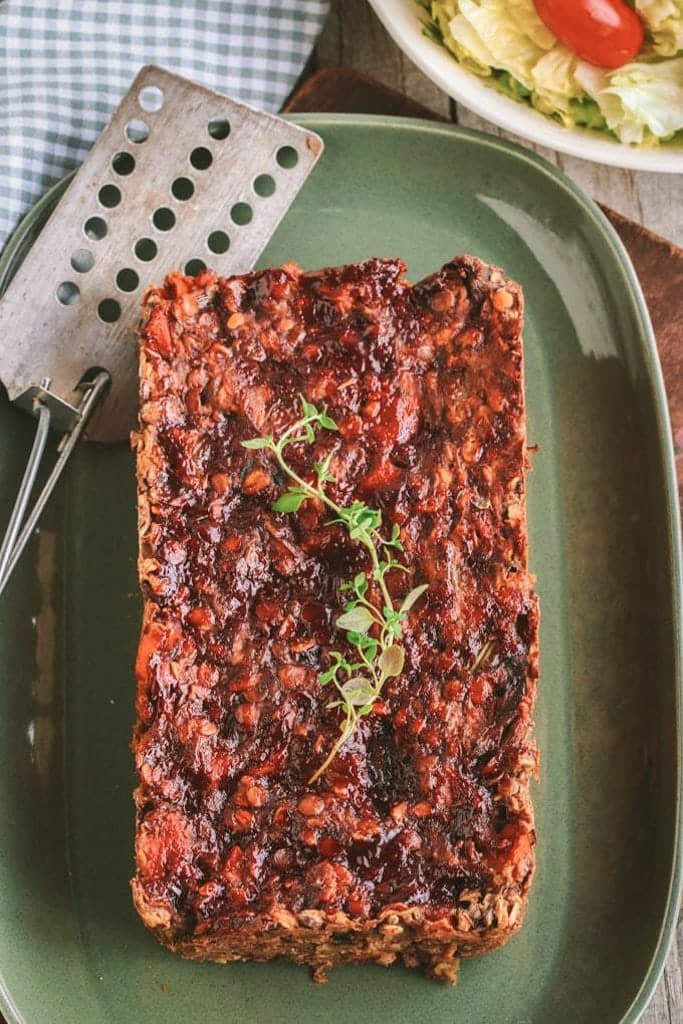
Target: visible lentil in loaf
pixel 418 840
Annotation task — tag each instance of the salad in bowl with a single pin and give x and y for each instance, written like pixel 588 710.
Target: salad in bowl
pixel 601 79
pixel 599 64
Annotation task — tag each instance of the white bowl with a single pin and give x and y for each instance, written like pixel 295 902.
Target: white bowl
pixel 402 19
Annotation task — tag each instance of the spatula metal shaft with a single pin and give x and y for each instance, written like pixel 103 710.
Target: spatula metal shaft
pixel 24 494
pixel 14 541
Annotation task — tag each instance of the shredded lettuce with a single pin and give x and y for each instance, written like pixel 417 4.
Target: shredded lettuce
pixel 512 86
pixel 506 42
pixel 586 113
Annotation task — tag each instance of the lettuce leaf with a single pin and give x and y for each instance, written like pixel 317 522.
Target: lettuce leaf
pixel 555 84
pixel 664 21
pixel 506 35
pixel 640 102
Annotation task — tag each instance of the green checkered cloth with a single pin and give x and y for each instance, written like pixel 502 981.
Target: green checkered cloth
pixel 64 65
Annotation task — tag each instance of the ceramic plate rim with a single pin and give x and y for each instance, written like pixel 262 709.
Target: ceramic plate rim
pixel 463 86
pixel 650 361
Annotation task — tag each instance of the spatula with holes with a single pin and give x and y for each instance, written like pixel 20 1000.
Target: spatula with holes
pixel 180 177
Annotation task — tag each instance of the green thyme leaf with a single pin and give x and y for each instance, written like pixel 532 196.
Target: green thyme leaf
pixel 307 408
pixel 394 541
pixel 411 597
pixel 392 618
pixel 360 584
pixel 358 691
pixel 391 661
pixel 322 469
pixel 370 649
pixel 358 619
pixel 258 442
pixel 290 501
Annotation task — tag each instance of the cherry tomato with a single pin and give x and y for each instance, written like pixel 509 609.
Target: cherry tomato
pixel 607 33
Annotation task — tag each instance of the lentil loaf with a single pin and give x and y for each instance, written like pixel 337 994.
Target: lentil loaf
pixel 417 842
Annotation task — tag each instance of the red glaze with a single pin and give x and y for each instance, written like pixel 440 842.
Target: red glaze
pixel 607 33
pixel 424 803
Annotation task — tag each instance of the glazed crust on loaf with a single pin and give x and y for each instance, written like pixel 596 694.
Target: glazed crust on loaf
pixel 417 842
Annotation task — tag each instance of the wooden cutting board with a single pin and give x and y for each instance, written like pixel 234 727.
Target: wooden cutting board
pixel 658 263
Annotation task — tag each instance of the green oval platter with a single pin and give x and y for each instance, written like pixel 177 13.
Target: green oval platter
pixel 605 546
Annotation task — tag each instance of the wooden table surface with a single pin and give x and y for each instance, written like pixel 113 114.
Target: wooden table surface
pixel 354 38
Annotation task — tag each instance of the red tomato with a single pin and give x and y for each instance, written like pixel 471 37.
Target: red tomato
pixel 607 33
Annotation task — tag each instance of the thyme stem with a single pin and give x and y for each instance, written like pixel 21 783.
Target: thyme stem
pixel 358 684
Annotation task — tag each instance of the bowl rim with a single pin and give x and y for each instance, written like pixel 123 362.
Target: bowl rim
pixel 401 19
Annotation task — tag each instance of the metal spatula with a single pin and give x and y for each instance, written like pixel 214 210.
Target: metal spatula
pixel 181 177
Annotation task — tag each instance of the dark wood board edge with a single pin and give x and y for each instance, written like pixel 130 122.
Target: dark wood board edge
pixel 344 91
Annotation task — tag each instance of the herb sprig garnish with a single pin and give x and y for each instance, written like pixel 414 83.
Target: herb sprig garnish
pixel 373 628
